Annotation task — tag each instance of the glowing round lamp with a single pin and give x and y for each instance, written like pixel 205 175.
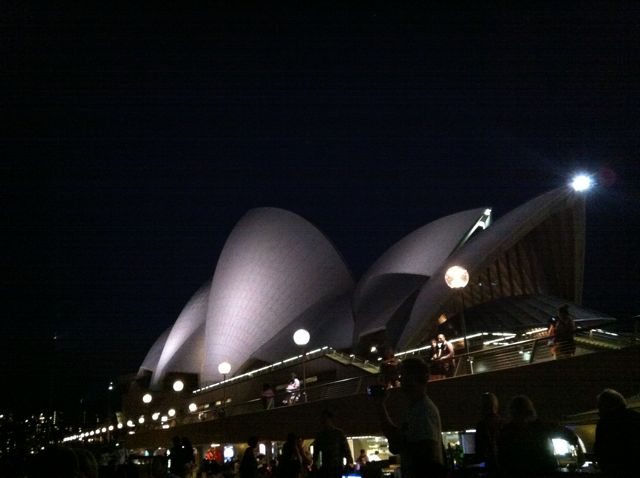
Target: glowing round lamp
pixel 456 277
pixel 178 386
pixel 155 416
pixel 193 407
pixel 141 420
pixel 224 368
pixel 119 425
pixel 147 398
pixel 581 182
pixel 171 412
pixel 110 428
pixel 301 337
pixel 130 423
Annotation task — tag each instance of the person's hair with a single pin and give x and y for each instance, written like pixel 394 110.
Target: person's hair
pixel 326 414
pixel 521 408
pixel 610 400
pixel 57 461
pixel 252 441
pixel 87 463
pixel 415 368
pixel 489 404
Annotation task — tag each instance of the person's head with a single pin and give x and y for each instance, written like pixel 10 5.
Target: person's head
pixel 56 461
pixel 326 417
pixel 434 342
pixel 563 312
pixel 362 451
pixel 293 376
pixel 414 374
pixel 489 404
pixel 266 386
pixel 87 463
pixel 441 338
pixel 159 466
pixel 610 401
pixel 521 409
pixel 252 441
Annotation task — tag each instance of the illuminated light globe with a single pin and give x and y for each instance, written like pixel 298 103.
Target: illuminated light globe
pixel 193 407
pixel 110 428
pixel 155 416
pixel 581 182
pixel 103 429
pixel 178 386
pixel 301 337
pixel 224 368
pixel 147 398
pixel 171 412
pixel 141 420
pixel 119 426
pixel 456 277
pixel 130 423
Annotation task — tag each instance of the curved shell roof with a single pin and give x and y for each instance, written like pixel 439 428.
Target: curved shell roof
pixel 476 254
pixel 150 362
pixel 273 267
pixel 406 266
pixel 188 326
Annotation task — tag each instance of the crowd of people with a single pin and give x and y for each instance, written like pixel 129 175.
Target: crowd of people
pixel 518 444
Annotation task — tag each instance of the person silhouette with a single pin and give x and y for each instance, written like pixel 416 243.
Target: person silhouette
pixel 617 441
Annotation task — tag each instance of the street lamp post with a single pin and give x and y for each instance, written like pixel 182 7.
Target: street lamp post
pixel 457 278
pixel 301 338
pixel 224 368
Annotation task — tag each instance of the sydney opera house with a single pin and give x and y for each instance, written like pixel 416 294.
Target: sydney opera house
pixel 277 273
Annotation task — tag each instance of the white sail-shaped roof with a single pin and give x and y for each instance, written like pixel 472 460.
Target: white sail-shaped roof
pixel 274 266
pixel 504 234
pixel 190 322
pixel 408 264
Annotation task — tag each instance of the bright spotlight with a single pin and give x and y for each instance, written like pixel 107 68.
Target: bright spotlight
pixel 301 337
pixel 178 385
pixel 581 182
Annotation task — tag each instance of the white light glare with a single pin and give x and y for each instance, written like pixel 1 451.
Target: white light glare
pixel 178 386
pixel 301 337
pixel 581 182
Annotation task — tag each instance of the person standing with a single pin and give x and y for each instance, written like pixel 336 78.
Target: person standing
pixel 330 448
pixel 565 329
pixel 417 433
pixel 293 389
pixel 617 442
pixel 249 463
pixel 445 356
pixel 487 433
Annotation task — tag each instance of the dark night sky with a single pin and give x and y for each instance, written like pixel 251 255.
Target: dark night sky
pixel 132 142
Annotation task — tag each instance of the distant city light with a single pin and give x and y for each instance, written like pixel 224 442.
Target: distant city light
pixel 581 182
